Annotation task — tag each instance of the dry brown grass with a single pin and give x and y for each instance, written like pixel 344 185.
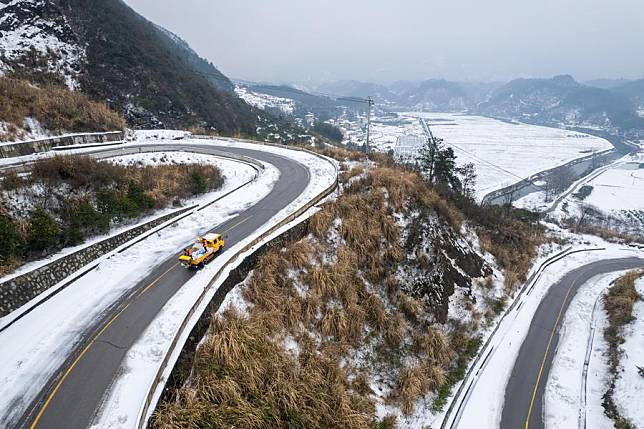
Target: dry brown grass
pixel 621 298
pixel 243 378
pixel 347 175
pixel 56 108
pixel 618 304
pixel 340 154
pixel 164 183
pixel 334 301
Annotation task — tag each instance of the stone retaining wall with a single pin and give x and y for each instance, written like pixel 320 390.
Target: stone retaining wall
pixel 20 290
pixel 44 145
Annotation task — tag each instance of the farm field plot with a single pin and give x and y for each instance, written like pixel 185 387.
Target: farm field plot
pixel 503 152
pixel 618 189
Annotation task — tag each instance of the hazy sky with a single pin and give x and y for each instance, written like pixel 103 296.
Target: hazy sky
pixel 388 40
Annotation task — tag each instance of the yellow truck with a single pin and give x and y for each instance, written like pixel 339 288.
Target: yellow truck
pixel 203 251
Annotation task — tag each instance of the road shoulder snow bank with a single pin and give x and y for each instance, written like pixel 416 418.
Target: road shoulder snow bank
pixel 570 399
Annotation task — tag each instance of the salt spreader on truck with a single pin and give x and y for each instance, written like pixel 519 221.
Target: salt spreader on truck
pixel 203 251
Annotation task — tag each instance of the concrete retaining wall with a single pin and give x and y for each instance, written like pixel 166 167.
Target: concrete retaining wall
pixel 13 150
pixel 18 291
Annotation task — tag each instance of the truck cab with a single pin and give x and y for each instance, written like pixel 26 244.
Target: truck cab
pixel 202 251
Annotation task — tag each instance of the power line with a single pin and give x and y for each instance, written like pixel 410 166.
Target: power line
pixel 484 161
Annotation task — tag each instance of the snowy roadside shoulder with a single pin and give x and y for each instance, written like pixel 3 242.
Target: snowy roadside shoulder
pixel 235 174
pixel 35 346
pixel 569 397
pixel 161 344
pixel 629 388
pixel 483 404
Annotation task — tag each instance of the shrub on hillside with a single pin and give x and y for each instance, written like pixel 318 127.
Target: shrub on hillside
pixel 44 232
pixel 329 131
pixel 81 219
pixel 11 241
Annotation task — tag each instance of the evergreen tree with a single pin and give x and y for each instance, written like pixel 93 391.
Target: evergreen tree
pixel 438 164
pixel 11 242
pixel 43 230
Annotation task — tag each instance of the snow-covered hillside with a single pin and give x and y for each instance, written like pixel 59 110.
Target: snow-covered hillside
pixel 36 29
pixel 265 101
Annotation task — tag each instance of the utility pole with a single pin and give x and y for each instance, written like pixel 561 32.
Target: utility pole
pixel 369 102
pixel 369 105
pixel 432 147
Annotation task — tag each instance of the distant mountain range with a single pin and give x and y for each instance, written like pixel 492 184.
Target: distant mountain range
pixel 562 101
pixel 611 105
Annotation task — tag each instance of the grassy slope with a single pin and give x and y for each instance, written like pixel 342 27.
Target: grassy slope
pixel 56 108
pixel 67 199
pixel 338 322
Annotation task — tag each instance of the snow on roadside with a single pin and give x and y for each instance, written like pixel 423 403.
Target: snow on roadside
pixel 486 399
pixel 563 397
pixel 36 345
pixel 235 173
pixel 159 134
pixel 124 404
pixel 629 389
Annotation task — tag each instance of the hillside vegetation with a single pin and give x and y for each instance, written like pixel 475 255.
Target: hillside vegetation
pixel 67 199
pixel 618 304
pixel 370 318
pixel 151 75
pixel 55 107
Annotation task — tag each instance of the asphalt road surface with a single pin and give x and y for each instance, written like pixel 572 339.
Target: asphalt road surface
pixel 523 407
pixel 71 399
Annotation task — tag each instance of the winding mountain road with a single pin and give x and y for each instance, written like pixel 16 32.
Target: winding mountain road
pixel 523 407
pixel 72 397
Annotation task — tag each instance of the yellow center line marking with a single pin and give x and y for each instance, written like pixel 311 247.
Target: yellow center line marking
pixel 34 424
pixel 545 355
pixel 157 279
pixel 236 225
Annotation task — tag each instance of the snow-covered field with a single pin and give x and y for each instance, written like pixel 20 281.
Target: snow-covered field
pixel 504 153
pixel 618 189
